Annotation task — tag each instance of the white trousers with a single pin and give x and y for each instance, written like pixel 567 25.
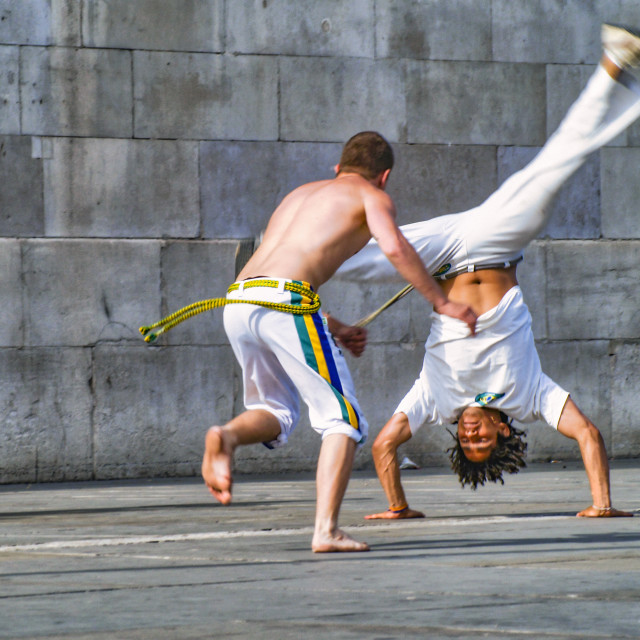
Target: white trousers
pixel 284 357
pixel 499 229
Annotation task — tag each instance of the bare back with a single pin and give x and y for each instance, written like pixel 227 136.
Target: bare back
pixel 314 230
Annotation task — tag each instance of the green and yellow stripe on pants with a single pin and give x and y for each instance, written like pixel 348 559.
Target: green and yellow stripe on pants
pixel 318 355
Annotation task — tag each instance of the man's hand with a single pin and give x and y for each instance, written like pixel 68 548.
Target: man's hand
pixel 395 515
pixel 354 339
pixel 459 311
pixel 597 512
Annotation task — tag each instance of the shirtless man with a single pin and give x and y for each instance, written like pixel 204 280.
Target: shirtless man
pixel 311 233
pixel 481 383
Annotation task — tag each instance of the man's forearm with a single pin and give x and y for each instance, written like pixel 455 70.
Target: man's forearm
pixel 409 265
pixel 388 472
pixel 594 457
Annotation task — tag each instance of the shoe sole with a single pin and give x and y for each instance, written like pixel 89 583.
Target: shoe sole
pixel 621 28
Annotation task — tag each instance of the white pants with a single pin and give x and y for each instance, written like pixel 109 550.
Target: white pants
pixel 500 365
pixel 283 355
pixel 499 229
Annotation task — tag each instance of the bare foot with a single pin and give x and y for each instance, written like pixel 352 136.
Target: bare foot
pixel 595 512
pixel 216 465
pixel 395 515
pixel 339 541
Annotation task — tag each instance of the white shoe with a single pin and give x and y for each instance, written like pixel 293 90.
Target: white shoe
pixel 621 45
pixel 407 463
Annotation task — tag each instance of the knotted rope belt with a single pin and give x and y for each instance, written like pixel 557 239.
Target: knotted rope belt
pixel 310 303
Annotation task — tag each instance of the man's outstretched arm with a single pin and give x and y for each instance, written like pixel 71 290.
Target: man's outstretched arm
pixel 574 424
pixel 385 456
pixel 380 214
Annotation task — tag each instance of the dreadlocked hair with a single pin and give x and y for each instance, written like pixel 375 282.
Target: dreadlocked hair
pixel 507 456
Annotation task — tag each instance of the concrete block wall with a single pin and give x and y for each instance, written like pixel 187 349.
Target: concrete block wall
pixel 144 144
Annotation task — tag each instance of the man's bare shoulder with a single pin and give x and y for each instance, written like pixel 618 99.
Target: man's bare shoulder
pixel 309 187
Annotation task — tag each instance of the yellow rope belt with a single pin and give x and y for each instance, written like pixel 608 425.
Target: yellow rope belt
pixel 310 303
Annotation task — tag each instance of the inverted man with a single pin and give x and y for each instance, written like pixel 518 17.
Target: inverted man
pixel 283 356
pixel 482 382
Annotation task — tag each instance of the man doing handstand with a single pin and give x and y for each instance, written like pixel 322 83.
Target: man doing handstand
pixel 311 233
pixel 482 382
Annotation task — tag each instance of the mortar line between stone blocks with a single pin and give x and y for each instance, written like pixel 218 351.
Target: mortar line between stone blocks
pixel 375 32
pixel 133 96
pixel 224 26
pixel 199 186
pixel 545 290
pixel 279 99
pixel 20 116
pixel 92 415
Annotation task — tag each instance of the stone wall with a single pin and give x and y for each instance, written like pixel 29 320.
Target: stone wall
pixel 144 143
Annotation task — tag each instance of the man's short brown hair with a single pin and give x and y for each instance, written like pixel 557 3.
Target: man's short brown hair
pixel 368 154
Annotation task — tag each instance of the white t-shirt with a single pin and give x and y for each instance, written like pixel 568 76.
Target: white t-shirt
pixel 498 368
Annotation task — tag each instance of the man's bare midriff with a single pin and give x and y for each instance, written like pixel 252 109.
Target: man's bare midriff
pixel 313 231
pixel 482 290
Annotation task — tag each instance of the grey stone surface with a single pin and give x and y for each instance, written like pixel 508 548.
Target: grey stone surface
pixel 26 22
pixel 66 22
pixel 143 142
pixel 122 188
pixel 179 392
pixel 625 370
pixel 205 96
pixel 140 560
pixel 21 194
pixel 575 211
pixel 620 193
pixel 419 29
pixel 573 39
pixel 475 103
pixel 583 369
pixel 633 134
pixel 592 290
pixel 407 321
pixel 432 180
pixel 532 278
pixel 299 454
pixel 11 293
pixel 40 22
pixel 383 375
pixel 83 292
pixel 179 25
pixel 306 27
pixel 79 92
pixel 625 11
pixel 193 272
pixel 9 90
pixel 45 407
pixel 330 99
pixel 564 84
pixel 351 301
pixel 237 202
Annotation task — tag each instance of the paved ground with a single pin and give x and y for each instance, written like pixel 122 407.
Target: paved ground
pixel 157 559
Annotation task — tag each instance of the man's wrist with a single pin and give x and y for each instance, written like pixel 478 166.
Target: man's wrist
pixel 439 303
